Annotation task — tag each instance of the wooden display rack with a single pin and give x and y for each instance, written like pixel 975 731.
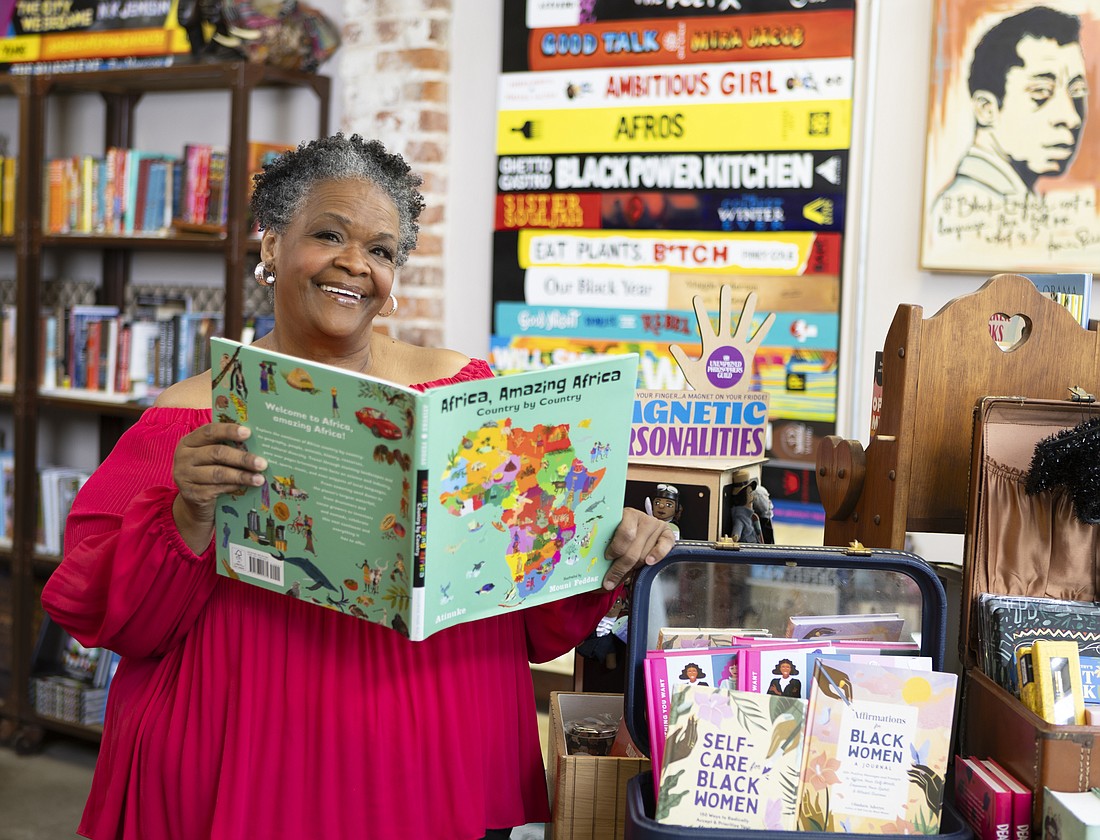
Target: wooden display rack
pixel 913 475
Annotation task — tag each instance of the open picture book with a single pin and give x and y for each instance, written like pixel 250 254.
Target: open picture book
pixel 423 510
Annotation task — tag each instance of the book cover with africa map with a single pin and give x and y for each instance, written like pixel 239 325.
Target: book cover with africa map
pixel 421 511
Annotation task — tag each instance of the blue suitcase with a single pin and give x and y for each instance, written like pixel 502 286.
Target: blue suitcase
pixel 702 585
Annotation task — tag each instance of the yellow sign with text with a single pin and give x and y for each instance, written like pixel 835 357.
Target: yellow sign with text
pixel 747 126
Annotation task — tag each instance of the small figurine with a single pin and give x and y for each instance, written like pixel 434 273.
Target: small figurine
pixel 741 518
pixel 665 505
pixel 763 508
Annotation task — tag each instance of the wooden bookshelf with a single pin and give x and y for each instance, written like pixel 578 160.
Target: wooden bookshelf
pixel 23 570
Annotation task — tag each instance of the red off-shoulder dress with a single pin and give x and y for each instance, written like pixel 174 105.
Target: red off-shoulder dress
pixel 240 713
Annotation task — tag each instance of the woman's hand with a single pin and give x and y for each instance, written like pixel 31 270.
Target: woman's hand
pixel 207 464
pixel 640 539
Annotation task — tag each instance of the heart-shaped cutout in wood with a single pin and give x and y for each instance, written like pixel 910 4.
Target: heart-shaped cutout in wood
pixel 841 468
pixel 1009 332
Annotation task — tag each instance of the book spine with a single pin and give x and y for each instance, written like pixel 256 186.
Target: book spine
pixel 653 717
pixel 1021 799
pixel 56 215
pixel 1025 678
pixel 419 552
pixel 986 808
pixel 87 191
pixel 7 345
pixel 93 355
pixel 748 670
pixel 78 350
pixel 122 369
pixel 109 371
pixel 8 228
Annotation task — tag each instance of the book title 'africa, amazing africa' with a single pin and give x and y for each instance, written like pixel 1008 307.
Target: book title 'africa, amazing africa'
pixel 423 510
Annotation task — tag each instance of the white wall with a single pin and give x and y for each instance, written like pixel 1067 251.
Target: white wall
pixel 475 56
pixel 896 59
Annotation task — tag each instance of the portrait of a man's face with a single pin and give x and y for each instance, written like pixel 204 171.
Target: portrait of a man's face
pixel 1011 174
pixel 1029 91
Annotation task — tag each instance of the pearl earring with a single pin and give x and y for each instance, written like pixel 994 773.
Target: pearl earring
pixel 264 276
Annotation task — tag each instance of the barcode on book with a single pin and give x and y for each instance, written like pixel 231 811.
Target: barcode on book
pixel 248 561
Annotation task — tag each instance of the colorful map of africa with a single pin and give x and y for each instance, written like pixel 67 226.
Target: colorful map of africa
pixel 537 480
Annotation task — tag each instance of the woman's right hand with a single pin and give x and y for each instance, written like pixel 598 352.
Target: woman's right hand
pixel 208 463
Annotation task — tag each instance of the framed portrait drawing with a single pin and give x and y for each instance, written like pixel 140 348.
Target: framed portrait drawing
pixel 1012 158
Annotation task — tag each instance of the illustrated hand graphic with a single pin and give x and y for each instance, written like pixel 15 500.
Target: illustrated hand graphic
pixel 726 364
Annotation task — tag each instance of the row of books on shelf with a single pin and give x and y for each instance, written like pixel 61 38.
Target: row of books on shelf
pixel 103 353
pixel 131 191
pixel 66 699
pixel 57 487
pixel 993 801
pixel 777 734
pixel 1044 651
pixel 97 349
pixel 997 806
pixel 71 681
pixel 7 195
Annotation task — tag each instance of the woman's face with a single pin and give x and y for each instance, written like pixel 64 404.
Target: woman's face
pixel 335 264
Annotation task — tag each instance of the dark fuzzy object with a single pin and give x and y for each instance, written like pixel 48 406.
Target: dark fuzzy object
pixel 1070 458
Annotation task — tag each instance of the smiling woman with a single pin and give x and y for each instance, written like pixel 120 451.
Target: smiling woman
pixel 239 712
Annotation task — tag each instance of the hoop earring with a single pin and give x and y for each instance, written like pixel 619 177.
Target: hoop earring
pixel 262 275
pixel 393 301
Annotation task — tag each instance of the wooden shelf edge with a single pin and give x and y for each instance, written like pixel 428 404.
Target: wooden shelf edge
pixel 89 733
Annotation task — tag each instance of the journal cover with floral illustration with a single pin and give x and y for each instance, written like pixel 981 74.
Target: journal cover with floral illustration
pixel 423 510
pixel 731 760
pixel 877 744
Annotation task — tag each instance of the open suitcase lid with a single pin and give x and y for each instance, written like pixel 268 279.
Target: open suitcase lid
pixel 1006 431
pixel 699 584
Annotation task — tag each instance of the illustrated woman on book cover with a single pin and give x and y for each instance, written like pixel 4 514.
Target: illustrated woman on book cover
pixel 785 684
pixel 692 674
pixel 241 712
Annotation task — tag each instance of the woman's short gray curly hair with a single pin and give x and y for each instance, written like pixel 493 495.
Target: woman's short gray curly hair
pixel 284 183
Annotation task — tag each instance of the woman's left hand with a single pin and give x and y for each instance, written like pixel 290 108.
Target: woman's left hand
pixel 639 539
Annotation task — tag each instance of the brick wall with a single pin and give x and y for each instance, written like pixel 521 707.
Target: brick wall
pixel 394 64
